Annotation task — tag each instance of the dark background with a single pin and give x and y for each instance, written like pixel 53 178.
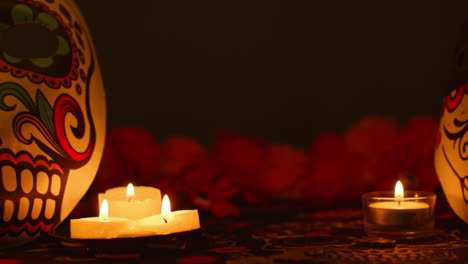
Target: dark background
pixel 282 70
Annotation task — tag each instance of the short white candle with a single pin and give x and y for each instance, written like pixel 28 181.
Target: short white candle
pixel 132 202
pixel 102 227
pixel 403 205
pixel 168 222
pixel 400 212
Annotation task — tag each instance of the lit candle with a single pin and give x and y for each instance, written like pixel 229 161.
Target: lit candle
pixel 166 209
pixel 102 227
pixel 399 214
pixel 132 202
pixel 168 222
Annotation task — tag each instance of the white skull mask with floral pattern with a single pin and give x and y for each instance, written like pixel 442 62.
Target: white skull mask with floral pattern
pixel 52 115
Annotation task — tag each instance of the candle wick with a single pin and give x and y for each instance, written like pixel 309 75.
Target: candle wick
pixel 399 202
pixel 130 199
pixel 165 221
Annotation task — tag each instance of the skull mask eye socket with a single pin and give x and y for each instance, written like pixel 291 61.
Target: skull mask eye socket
pixel 27 41
pixel 34 41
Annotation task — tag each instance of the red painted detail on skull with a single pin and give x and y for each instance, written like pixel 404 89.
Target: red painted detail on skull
pixel 18 72
pixel 451 103
pixel 66 104
pixel 36 77
pixel 26 158
pixel 27 226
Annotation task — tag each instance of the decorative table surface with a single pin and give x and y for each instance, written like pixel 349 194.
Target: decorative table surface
pixel 293 236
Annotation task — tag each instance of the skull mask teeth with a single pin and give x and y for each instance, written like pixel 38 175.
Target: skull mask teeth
pixel 47 128
pixel 34 187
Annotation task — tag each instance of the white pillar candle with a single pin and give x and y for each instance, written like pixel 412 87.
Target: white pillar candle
pixel 168 222
pixel 102 227
pixel 132 202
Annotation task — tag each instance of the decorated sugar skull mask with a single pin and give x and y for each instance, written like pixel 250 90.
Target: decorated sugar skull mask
pixel 52 115
pixel 451 154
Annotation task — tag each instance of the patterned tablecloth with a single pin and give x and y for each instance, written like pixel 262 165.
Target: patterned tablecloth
pixel 293 236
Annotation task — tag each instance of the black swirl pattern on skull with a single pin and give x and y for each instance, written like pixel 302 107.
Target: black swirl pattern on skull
pixel 459 137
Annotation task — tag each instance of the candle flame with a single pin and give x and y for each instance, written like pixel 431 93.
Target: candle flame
pixel 130 192
pixel 166 208
pixel 104 211
pixel 399 192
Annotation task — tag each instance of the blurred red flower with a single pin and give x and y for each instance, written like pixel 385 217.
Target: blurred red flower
pixel 370 140
pixel 412 159
pixel 239 157
pixel 371 136
pixel 283 172
pixel 258 169
pixel 210 191
pixel 334 173
pixel 131 154
pixel 180 152
pixel 328 144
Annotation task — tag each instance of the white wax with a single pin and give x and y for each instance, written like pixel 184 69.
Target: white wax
pixel 407 214
pixel 147 202
pixel 94 228
pixel 180 221
pixel 403 205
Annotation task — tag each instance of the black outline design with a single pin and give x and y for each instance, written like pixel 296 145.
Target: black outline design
pixel 458 136
pixel 462 185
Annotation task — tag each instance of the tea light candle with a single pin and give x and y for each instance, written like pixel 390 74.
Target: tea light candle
pixel 399 215
pixel 102 227
pixel 132 202
pixel 168 222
